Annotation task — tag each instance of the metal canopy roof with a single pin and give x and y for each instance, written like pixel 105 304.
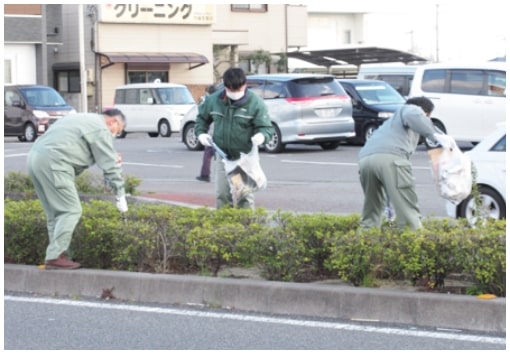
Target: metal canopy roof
pixel 156 58
pixel 354 56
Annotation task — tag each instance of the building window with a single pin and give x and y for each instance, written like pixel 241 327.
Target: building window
pixel 138 77
pixel 249 7
pixel 347 37
pixel 7 71
pixel 68 81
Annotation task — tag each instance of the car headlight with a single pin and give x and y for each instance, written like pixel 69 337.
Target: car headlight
pixel 41 114
pixel 43 125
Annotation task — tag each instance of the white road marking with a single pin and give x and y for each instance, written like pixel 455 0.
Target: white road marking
pixel 352 164
pixel 263 319
pixel 123 162
pixel 16 155
pixel 150 164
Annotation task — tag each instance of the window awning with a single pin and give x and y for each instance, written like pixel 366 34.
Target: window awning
pixel 156 58
pixel 66 66
pixel 355 56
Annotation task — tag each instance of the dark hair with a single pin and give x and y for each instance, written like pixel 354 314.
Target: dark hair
pixel 112 112
pixel 422 102
pixel 210 89
pixel 234 78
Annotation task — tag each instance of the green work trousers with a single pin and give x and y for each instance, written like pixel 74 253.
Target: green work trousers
pixel 388 176
pixel 223 190
pixel 55 186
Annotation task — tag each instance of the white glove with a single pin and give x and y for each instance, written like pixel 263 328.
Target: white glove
pixel 258 139
pixel 446 141
pixel 121 204
pixel 205 139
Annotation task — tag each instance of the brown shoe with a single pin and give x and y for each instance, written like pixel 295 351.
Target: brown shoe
pixel 61 262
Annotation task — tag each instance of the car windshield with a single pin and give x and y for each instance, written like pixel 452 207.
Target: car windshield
pixel 175 95
pixel 43 97
pixel 379 94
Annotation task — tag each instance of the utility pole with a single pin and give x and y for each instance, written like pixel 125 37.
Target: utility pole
pixel 411 35
pixel 83 73
pixel 44 46
pixel 437 33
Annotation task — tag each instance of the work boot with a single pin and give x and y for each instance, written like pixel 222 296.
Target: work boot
pixel 203 178
pixel 62 262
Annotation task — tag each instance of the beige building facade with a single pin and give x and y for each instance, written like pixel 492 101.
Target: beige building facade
pixel 185 44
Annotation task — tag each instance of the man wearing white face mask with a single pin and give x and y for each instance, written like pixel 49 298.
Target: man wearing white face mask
pixel 240 120
pixel 71 145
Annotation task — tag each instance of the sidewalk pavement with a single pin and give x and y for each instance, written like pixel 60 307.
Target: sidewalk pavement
pixel 340 302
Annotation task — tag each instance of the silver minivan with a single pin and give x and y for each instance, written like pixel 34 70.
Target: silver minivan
pixel 303 108
pixel 154 108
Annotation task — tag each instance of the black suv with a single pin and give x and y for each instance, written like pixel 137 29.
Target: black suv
pixel 373 101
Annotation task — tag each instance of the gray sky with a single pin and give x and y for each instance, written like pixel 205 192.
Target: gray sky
pixel 466 30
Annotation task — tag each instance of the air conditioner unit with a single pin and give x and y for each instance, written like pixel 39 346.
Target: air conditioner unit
pixel 90 75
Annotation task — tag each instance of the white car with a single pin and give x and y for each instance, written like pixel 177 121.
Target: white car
pixel 489 159
pixel 155 108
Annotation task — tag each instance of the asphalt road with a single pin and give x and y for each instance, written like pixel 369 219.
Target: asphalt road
pixel 304 178
pixel 45 323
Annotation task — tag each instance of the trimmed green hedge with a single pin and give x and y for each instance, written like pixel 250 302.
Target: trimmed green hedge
pixel 284 246
pixel 86 183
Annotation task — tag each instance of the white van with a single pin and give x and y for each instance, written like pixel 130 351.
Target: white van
pixel 153 108
pixel 400 76
pixel 469 99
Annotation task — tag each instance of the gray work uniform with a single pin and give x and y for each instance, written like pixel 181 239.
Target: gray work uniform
pixel 385 169
pixel 71 145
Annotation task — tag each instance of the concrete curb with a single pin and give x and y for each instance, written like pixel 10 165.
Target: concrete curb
pixel 460 312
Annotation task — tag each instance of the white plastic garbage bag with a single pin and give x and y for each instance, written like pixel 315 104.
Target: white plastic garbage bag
pixel 245 174
pixel 452 174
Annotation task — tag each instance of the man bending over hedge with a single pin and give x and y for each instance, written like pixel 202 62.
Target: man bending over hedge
pixel 71 145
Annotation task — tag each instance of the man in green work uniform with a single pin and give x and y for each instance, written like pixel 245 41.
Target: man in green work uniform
pixel 240 120
pixel 385 169
pixel 71 145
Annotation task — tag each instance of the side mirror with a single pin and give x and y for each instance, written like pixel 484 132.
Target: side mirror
pixel 356 104
pixel 17 104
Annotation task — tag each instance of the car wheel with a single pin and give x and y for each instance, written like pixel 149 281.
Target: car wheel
pixel 153 135
pixel 29 133
pixel 190 139
pixel 330 145
pixel 492 206
pixel 432 144
pixel 164 129
pixel 121 135
pixel 275 146
pixel 369 130
pixel 22 138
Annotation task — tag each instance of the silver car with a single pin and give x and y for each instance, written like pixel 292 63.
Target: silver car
pixel 303 108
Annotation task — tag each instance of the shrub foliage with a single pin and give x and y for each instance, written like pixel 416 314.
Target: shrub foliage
pixel 283 246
